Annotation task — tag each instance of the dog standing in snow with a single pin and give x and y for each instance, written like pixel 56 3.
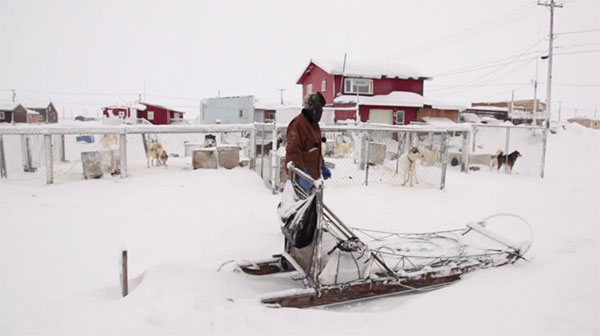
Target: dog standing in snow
pixel 408 164
pixel 156 155
pixel 111 160
pixel 509 159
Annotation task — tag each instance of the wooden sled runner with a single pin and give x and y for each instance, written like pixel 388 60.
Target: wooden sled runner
pixel 343 264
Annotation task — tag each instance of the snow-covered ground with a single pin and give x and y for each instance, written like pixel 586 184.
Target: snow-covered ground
pixel 59 248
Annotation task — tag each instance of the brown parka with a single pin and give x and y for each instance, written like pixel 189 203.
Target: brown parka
pixel 304 144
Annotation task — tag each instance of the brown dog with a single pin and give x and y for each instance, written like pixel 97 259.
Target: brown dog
pixel 156 155
pixel 509 159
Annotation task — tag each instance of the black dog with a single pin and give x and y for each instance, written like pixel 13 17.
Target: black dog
pixel 509 159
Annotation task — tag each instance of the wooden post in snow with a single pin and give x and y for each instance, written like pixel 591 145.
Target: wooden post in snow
pixel 124 277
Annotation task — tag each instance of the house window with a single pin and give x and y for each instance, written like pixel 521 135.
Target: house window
pixel 243 113
pixel 122 114
pixel 272 115
pixel 323 85
pixel 399 117
pixel 358 85
pixel 308 89
pixel 150 115
pixel 2 116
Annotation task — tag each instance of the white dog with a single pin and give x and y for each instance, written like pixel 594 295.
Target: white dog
pixel 408 165
pixel 156 155
pixel 111 160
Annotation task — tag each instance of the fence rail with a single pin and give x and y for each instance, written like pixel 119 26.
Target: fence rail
pixel 357 154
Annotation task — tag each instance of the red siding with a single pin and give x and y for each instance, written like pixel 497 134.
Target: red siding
pixel 161 115
pixel 115 111
pixel 387 85
pixel 315 77
pixel 380 86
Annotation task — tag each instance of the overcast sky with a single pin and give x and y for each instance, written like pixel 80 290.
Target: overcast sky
pixel 84 54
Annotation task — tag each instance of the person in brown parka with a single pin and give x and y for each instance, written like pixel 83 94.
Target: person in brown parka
pixel 304 141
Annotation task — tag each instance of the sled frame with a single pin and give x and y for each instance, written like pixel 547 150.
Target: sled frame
pixel 307 263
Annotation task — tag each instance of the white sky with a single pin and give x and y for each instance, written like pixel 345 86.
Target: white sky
pixel 87 54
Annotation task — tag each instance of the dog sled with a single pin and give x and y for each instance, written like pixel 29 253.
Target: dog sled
pixel 338 264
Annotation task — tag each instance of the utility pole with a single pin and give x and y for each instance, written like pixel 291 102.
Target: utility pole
pixel 512 103
pixel 559 109
pixel 551 4
pixel 281 95
pixel 535 103
pixel 14 96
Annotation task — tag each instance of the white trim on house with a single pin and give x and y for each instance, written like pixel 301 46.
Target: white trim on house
pixel 358 85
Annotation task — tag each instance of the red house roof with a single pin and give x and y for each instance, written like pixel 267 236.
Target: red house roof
pixel 358 69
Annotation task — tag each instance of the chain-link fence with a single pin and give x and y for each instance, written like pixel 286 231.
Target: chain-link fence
pixel 363 155
pixel 489 140
pixel 356 155
pixel 32 154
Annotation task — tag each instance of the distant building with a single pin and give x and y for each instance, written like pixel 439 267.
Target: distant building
pixel 521 113
pixel 593 123
pixel 382 93
pixel 159 115
pixel 230 110
pixel 500 113
pixel 47 114
pixel 18 113
pixel 155 114
pixel 6 112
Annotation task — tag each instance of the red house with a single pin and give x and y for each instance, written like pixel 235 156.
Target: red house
pixel 383 93
pixel 155 114
pixel 115 111
pixel 159 115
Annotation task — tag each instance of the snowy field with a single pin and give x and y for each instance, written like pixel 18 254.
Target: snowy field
pixel 59 247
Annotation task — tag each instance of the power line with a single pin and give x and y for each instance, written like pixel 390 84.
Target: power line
pixel 485 83
pixel 578 32
pixel 578 52
pixel 574 84
pixel 496 63
pixel 497 22
pixel 503 92
pixel 515 58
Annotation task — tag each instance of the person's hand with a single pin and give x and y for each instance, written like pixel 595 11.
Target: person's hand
pixel 325 172
pixel 304 184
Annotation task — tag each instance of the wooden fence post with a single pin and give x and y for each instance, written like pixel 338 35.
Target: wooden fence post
pixel 124 276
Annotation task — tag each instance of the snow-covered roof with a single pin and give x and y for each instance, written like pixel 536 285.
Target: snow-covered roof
pixel 395 98
pixel 489 108
pixel 8 106
pixel 31 112
pixel 437 121
pixel 260 104
pixel 367 69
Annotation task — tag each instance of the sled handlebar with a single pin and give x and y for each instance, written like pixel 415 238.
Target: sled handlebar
pixel 295 171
